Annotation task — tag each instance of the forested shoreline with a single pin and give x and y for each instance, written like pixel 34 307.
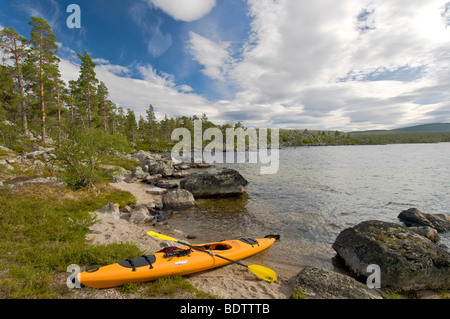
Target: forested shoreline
pixel 33 96
pixel 81 121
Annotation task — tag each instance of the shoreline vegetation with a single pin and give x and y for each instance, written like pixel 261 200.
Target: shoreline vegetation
pixel 61 145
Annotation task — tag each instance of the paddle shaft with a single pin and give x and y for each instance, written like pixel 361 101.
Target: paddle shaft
pixel 212 254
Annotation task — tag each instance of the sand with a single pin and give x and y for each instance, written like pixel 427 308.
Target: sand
pixel 229 282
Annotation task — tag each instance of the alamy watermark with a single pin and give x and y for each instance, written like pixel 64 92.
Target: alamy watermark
pixel 374 279
pixel 74 19
pixel 72 281
pixel 236 150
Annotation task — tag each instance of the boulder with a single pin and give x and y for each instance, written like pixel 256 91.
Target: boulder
pixel 178 199
pixel 157 165
pixel 183 166
pixel 138 173
pixel 140 215
pixel 6 165
pixel 180 174
pixel 151 179
pixel 110 210
pixel 317 283
pixel 414 217
pixel 407 260
pixel 166 184
pixel 216 182
pixel 156 191
pixel 141 155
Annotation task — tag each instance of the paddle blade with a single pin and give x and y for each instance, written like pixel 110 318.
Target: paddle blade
pixel 160 236
pixel 263 272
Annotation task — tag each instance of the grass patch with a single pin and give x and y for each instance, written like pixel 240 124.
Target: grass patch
pixel 117 161
pixel 43 231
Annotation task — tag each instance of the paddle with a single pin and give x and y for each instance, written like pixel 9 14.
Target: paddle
pixel 260 271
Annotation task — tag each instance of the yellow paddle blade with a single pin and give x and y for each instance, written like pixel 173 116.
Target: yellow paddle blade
pixel 263 272
pixel 160 236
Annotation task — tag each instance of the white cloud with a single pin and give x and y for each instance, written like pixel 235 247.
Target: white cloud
pixel 157 41
pixel 185 10
pixel 300 51
pixel 313 64
pixel 156 89
pixel 214 57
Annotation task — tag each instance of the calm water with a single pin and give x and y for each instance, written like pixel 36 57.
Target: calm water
pixel 320 191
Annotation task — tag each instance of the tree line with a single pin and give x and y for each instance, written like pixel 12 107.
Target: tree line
pixel 33 96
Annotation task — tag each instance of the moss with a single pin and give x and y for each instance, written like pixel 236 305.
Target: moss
pixel 43 231
pixel 298 294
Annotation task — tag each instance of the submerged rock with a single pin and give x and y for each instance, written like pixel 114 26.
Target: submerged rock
pixel 178 199
pixel 216 182
pixel 407 260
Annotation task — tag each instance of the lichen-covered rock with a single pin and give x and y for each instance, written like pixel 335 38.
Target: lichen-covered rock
pixel 407 260
pixel 317 283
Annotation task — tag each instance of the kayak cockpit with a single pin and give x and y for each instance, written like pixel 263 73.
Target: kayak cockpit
pixel 214 246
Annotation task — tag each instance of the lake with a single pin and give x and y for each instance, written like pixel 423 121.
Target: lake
pixel 319 191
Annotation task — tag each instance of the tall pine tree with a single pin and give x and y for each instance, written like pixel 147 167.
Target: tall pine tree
pixel 44 57
pixel 87 83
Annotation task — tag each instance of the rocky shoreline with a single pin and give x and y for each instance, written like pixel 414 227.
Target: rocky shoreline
pixel 410 259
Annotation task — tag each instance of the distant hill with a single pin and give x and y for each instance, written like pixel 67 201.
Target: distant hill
pixel 425 128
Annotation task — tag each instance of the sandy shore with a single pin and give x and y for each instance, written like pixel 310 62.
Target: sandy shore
pixel 231 282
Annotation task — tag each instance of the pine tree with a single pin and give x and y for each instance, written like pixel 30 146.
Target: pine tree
pixel 72 93
pixel 8 96
pixel 102 94
pixel 151 120
pixel 44 53
pixel 87 83
pixel 13 44
pixel 131 127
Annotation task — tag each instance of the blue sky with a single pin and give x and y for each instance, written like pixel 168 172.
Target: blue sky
pixel 347 65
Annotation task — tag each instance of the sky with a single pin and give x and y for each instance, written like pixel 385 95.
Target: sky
pixel 345 65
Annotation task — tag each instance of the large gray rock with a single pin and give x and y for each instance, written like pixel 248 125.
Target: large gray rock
pixel 216 182
pixel 414 217
pixel 157 164
pixel 140 215
pixel 407 260
pixel 317 283
pixel 178 199
pixel 138 173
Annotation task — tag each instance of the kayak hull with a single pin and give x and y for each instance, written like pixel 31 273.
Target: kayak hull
pixel 163 264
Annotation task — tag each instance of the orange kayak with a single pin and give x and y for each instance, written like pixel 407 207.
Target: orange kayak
pixel 173 261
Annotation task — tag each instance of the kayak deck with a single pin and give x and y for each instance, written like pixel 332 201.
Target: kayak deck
pixel 173 262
